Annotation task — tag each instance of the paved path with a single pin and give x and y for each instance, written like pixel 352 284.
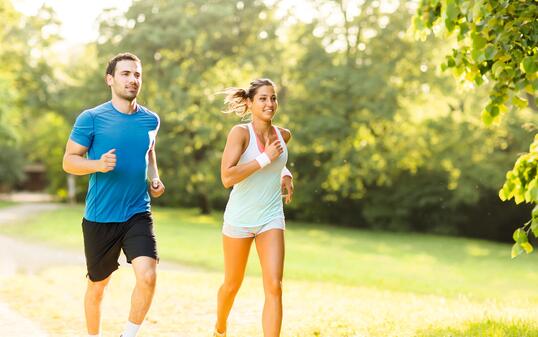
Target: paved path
pixel 17 256
pixel 11 214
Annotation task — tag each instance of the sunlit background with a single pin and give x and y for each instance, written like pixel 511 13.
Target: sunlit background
pixel 405 119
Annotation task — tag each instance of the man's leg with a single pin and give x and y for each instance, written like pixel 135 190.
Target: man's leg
pixel 92 304
pixel 145 269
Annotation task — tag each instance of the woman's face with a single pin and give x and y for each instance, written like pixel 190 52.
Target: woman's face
pixel 264 104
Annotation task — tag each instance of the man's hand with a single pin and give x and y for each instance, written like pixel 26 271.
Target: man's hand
pixel 108 161
pixel 156 188
pixel 287 188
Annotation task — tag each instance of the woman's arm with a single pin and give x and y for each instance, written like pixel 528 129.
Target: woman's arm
pixel 230 172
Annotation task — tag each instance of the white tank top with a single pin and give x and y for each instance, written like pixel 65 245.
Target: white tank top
pixel 257 199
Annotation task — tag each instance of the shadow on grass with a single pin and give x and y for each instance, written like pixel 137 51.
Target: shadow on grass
pixel 490 328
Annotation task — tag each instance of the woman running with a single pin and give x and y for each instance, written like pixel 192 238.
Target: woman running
pixel 254 163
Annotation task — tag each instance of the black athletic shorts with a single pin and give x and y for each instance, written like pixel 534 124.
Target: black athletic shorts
pixel 103 242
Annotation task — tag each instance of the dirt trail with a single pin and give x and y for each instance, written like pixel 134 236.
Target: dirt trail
pixel 17 256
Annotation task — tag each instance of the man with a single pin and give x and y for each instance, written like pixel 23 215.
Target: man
pixel 115 144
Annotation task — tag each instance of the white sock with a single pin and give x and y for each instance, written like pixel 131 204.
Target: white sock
pixel 130 329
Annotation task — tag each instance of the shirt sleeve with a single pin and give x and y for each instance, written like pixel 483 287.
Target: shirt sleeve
pixel 83 130
pixel 153 134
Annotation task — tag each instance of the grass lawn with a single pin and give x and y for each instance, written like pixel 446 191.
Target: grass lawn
pixel 338 281
pixel 4 203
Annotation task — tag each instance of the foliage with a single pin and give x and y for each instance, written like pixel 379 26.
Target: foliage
pixel 10 157
pixel 521 185
pixel 497 43
pixel 26 86
pixel 381 139
pixel 188 59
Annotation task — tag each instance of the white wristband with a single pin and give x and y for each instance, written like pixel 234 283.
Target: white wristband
pixel 285 172
pixel 263 160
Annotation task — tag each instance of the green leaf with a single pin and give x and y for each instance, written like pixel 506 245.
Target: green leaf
pixel 527 247
pixel 449 24
pixel 493 110
pixel 478 55
pixel 533 192
pixel 486 117
pixel 497 68
pixel 490 52
pixel 516 250
pixel 534 227
pixel 535 213
pixel 502 195
pixel 528 65
pixel 464 28
pixel 519 102
pixel 479 42
pixel 450 62
pixel 520 235
pixel 451 10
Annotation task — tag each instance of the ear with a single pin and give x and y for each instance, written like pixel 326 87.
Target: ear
pixel 109 79
pixel 249 103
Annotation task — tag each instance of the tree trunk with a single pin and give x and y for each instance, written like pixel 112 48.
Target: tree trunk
pixel 532 102
pixel 204 204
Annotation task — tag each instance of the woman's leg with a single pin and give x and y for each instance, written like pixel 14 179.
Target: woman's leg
pixel 270 246
pixel 235 260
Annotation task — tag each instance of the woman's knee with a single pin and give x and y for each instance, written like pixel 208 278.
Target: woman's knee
pixel 273 287
pixel 231 286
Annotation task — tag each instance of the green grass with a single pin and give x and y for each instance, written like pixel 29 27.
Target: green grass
pixel 4 203
pixel 423 264
pixel 490 328
pixel 338 282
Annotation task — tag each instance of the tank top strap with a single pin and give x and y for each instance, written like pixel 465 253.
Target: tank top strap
pixel 279 134
pixel 252 135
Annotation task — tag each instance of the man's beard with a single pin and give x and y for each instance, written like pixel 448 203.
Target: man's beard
pixel 128 96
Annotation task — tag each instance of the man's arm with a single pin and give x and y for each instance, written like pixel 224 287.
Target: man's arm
pixel 156 186
pixel 153 171
pixel 74 161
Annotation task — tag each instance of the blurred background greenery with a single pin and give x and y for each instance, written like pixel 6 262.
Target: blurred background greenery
pixel 382 138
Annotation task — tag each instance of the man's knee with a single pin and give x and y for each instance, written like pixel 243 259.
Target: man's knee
pixel 96 290
pixel 147 278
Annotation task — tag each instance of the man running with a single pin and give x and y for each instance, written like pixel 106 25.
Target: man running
pixel 115 144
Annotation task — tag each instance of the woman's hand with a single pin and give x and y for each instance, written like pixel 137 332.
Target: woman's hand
pixel 274 149
pixel 287 188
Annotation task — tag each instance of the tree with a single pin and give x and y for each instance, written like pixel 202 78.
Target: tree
pixel 497 43
pixel 191 50
pixel 10 140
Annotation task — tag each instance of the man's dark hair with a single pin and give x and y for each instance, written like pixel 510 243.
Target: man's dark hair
pixel 111 67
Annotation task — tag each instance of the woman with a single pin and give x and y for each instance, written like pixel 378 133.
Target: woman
pixel 254 163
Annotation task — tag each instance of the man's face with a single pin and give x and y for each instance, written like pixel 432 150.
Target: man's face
pixel 127 79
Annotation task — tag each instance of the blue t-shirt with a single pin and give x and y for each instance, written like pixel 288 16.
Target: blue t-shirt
pixel 117 195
